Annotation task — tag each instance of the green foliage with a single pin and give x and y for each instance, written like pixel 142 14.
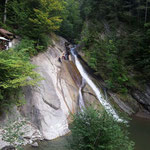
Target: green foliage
pixel 95 130
pixel 44 42
pixel 16 71
pixel 18 16
pixel 47 17
pixel 116 38
pixel 72 22
pixel 116 72
pixel 36 19
pixel 104 57
pixel 31 47
pixel 33 18
pixel 26 47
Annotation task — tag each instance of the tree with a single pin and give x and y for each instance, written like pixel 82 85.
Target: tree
pixel 48 17
pixel 95 130
pixel 31 18
pixel 15 72
pixel 72 22
pixel 18 14
pixel 5 11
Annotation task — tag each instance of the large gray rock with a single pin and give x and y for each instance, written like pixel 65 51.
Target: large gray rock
pixel 31 132
pixel 50 103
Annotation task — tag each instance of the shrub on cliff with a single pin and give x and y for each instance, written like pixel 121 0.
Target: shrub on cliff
pixel 15 72
pixel 94 130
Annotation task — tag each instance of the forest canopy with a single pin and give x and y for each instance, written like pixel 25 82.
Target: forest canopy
pixel 114 35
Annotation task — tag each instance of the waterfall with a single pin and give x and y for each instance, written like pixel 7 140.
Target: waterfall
pixel 81 101
pixel 83 73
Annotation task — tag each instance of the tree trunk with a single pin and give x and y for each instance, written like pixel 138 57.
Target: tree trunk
pixel 5 12
pixel 146 11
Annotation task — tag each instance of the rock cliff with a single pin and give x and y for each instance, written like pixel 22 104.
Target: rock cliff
pixel 50 103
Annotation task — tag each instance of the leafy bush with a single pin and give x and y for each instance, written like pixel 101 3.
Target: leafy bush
pixel 44 42
pixel 104 57
pixel 94 130
pixel 27 46
pixel 15 71
pixel 31 47
pixel 72 22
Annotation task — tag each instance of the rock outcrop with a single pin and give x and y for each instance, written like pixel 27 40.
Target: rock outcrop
pixel 50 103
pixel 142 97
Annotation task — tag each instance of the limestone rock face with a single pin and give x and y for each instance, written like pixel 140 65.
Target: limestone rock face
pixel 50 103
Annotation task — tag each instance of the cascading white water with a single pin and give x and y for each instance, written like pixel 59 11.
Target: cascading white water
pixel 81 101
pixel 105 104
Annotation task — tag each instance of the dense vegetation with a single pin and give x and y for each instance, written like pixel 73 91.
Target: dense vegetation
pixel 115 36
pixel 33 21
pixel 115 33
pixel 36 19
pixel 116 41
pixel 94 130
pixel 15 72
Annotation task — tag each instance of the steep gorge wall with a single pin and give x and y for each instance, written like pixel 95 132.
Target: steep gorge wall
pixel 50 103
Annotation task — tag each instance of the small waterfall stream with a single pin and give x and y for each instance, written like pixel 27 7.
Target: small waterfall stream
pixel 85 76
pixel 81 101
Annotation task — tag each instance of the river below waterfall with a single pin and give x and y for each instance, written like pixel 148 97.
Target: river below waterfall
pixel 60 143
pixel 139 133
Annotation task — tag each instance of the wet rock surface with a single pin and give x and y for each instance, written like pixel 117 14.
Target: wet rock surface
pixel 90 97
